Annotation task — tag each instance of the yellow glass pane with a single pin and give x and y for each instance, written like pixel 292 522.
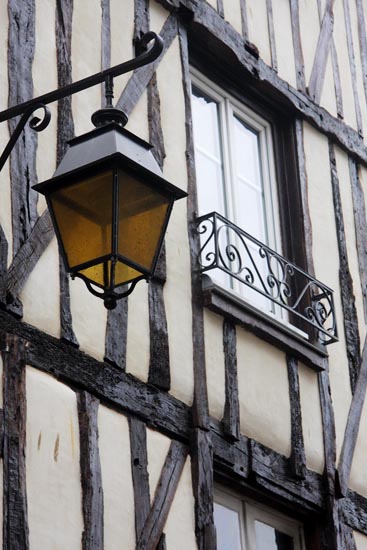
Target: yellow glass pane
pixel 123 274
pixel 83 213
pixel 142 213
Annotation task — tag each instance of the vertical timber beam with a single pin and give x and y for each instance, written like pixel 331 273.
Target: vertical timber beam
pixel 244 24
pixel 346 282
pixel 201 449
pixel 15 520
pixel 231 417
pixel 298 455
pixel 3 266
pixel 273 49
pixel 352 63
pixel 90 470
pixel 65 131
pixel 297 46
pixel 362 42
pixel 360 225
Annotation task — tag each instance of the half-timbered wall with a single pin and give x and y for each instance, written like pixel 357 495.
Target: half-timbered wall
pixel 115 425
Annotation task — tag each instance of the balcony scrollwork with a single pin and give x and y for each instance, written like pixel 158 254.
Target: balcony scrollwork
pixel 243 258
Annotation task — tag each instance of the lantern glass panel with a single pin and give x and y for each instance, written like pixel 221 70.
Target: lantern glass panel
pixel 142 215
pixel 83 213
pixel 100 273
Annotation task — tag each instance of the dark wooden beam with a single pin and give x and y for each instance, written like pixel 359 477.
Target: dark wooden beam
pixel 360 225
pixel 231 416
pixel 352 427
pixel 297 46
pixel 350 318
pixel 105 41
pixel 140 475
pixel 116 334
pixel 203 488
pixel 298 455
pixel 90 472
pixel 273 48
pixel 65 131
pixel 3 265
pixel 362 42
pixel 244 24
pixel 220 8
pixel 354 510
pixel 200 404
pixel 352 64
pixel 164 494
pixel 15 516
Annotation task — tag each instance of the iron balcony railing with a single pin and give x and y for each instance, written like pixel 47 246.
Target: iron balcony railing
pixel 226 247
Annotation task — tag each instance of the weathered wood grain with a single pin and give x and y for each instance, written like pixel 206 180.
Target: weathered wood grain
pixel 352 427
pixel 164 494
pixel 322 52
pixel 3 265
pixel 328 424
pixel 90 472
pixel 350 318
pixel 139 469
pixel 360 225
pixel 352 65
pixel 105 41
pixel 200 404
pixel 231 416
pixel 273 48
pixel 297 46
pixel 354 510
pixel 141 77
pixel 65 131
pixel 15 517
pixel 298 455
pixel 116 333
pixel 220 8
pixel 203 487
pixel 244 24
pixel 21 42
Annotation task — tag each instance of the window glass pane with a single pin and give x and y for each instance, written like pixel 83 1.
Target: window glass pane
pixel 269 538
pixel 227 523
pixel 208 154
pixel 250 212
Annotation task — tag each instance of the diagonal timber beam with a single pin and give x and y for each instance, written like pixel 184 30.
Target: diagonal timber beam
pixel 322 52
pixel 351 430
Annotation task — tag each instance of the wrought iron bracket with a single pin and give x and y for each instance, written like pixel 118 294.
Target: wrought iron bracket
pixel 27 108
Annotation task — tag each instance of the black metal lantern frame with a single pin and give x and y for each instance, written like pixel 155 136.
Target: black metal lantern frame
pixel 87 159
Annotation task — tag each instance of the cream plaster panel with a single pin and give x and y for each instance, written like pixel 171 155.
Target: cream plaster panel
pixel 86 60
pixel 359 70
pixel 180 525
pixel 358 473
pixel 138 119
pixel 343 60
pixel 138 342
pixel 257 21
pixel 214 357
pixel 158 16
pixel 40 294
pixel 122 29
pixel 157 449
pixel 360 540
pixel 310 29
pixel 284 41
pixel 118 493
pixel 232 13
pixel 52 464
pixel 89 319
pixel 5 197
pixel 349 228
pixel 177 290
pixel 263 392
pixel 311 418
pixel 328 98
pixel 326 260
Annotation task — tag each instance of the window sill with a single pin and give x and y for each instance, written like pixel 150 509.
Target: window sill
pixel 226 303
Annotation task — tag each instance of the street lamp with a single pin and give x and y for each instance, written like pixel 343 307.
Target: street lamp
pixel 109 201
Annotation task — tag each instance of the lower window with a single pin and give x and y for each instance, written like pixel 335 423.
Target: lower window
pixel 243 525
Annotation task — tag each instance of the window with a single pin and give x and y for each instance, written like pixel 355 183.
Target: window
pixel 240 217
pixel 243 525
pixel 236 178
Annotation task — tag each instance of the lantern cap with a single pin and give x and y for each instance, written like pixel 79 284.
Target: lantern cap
pixel 106 143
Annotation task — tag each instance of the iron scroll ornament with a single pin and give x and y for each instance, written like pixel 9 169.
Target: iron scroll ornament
pixel 226 247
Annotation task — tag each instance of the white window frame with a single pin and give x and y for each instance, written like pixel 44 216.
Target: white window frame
pixel 250 511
